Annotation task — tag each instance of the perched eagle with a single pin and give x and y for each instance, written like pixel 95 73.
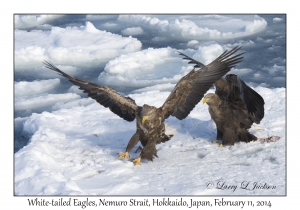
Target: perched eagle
pixel 234 108
pixel 150 127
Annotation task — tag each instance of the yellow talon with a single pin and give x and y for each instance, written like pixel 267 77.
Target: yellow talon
pixel 215 141
pixel 137 161
pixel 125 155
pixel 221 145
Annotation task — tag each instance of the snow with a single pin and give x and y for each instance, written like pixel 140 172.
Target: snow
pixel 29 21
pixel 43 101
pixel 144 68
pixel 74 151
pixel 132 31
pixel 92 47
pixel 73 141
pixel 24 88
pixel 187 29
pixel 277 19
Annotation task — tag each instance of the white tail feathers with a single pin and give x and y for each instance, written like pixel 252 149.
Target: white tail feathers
pixel 169 130
pixel 257 128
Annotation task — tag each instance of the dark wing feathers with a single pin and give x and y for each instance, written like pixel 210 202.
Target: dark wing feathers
pixel 231 61
pixel 221 89
pixel 192 61
pixel 246 104
pixel 124 107
pixel 192 87
pixel 242 96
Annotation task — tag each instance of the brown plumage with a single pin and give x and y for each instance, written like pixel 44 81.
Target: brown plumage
pixel 149 119
pixel 234 108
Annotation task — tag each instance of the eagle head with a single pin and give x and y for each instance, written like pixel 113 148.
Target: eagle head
pixel 148 113
pixel 211 99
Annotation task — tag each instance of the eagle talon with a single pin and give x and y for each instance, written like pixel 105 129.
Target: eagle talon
pixel 215 141
pixel 221 145
pixel 137 161
pixel 125 155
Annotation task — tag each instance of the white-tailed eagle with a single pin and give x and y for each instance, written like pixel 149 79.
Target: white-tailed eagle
pixel 234 108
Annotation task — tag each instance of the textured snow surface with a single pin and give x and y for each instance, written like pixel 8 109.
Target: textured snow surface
pixel 73 151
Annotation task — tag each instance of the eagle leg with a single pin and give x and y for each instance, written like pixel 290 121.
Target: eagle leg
pixel 229 137
pixel 125 155
pixel 132 142
pixel 215 141
pixel 221 145
pixel 137 161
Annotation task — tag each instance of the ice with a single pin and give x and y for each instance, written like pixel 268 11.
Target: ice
pixel 92 47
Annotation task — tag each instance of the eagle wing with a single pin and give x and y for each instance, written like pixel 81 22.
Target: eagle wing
pixel 124 107
pixel 191 88
pixel 244 100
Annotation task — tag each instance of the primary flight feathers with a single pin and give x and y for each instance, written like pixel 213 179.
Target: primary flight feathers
pixel 124 107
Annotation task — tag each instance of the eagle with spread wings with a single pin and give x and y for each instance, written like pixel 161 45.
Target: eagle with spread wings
pixel 150 126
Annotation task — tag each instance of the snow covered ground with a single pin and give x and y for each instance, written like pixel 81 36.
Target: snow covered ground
pixel 73 151
pixel 67 144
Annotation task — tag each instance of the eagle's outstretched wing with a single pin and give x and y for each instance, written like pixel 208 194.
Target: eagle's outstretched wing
pixel 124 107
pixel 192 87
pixel 242 97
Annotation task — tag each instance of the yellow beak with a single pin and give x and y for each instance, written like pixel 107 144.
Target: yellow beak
pixel 144 119
pixel 205 100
